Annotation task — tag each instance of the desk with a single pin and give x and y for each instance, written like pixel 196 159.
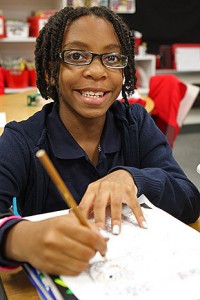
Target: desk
pixel 15 107
pixel 196 225
pixel 17 286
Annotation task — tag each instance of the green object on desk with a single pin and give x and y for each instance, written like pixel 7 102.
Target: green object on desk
pixel 32 99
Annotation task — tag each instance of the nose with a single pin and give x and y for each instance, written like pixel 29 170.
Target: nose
pixel 96 69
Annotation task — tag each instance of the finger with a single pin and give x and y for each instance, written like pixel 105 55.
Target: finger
pixel 64 264
pixel 116 215
pixel 103 233
pixel 100 205
pixel 137 211
pixel 87 203
pixel 70 254
pixel 88 237
pixel 69 227
pixel 71 266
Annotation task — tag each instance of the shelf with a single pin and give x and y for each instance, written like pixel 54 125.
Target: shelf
pixel 173 71
pixel 143 91
pixel 18 40
pixel 146 67
pixel 145 57
pixel 19 90
pixel 192 77
pixel 193 117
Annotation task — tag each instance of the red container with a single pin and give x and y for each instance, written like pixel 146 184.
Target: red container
pixel 2 27
pixel 17 78
pixel 2 84
pixel 36 24
pixel 32 77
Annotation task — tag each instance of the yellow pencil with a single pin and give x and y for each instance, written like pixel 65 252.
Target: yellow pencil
pixel 59 183
pixel 55 177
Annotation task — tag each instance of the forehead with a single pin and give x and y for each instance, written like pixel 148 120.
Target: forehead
pixel 91 31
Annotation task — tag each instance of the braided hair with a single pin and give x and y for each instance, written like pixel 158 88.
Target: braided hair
pixel 49 41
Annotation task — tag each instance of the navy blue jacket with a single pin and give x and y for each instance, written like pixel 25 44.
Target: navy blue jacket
pixel 147 156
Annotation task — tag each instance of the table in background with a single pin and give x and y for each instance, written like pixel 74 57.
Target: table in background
pixel 16 108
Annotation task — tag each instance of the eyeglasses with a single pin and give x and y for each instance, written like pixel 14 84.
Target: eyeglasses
pixel 84 58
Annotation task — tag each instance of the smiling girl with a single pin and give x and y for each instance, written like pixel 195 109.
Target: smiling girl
pixel 108 153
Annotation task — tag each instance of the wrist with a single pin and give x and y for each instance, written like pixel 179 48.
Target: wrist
pixel 14 242
pixel 4 220
pixel 6 224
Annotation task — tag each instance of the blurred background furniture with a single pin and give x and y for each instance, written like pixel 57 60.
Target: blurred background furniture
pixel 173 100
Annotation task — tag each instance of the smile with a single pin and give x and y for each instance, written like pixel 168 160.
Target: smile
pixel 92 94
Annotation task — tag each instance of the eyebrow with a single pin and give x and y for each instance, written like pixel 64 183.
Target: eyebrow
pixel 82 45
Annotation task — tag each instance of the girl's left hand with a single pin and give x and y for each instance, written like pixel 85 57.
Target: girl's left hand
pixel 114 189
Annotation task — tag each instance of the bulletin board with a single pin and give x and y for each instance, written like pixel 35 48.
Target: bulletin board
pixel 118 6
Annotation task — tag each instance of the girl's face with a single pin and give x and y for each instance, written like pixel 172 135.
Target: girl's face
pixel 86 92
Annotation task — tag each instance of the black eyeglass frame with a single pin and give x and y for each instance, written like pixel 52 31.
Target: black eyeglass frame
pixel 93 55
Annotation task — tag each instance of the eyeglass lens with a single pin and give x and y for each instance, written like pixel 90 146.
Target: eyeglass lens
pixel 83 57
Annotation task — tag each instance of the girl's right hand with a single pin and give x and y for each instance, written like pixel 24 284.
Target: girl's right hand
pixel 59 245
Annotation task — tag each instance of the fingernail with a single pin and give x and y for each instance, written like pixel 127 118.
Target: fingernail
pixel 115 229
pixel 144 224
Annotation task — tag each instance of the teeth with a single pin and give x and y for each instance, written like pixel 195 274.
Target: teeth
pixel 92 94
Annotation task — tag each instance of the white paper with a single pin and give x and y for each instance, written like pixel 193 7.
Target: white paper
pixel 2 119
pixel 45 216
pixel 161 262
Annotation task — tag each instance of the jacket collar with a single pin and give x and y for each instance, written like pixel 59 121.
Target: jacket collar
pixel 65 147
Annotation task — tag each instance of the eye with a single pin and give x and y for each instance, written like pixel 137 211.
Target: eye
pixel 112 58
pixel 75 56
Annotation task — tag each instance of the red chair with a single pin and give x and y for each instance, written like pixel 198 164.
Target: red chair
pixel 173 100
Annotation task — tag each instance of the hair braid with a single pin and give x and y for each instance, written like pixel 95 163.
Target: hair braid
pixel 49 41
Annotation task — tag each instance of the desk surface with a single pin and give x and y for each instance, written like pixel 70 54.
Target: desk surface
pixel 196 225
pixel 15 107
pixel 17 286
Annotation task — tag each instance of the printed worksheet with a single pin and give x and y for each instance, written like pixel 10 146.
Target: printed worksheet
pixel 161 262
